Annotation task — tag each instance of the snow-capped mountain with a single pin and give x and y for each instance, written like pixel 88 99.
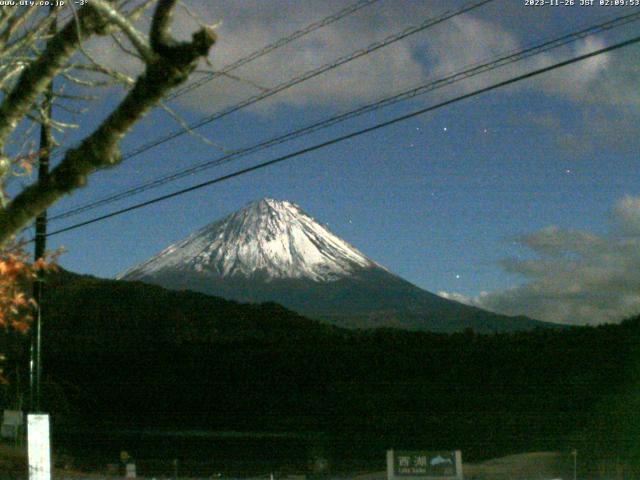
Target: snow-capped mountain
pixel 273 251
pixel 269 238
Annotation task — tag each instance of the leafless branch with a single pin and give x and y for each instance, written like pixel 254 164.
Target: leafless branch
pixel 135 37
pixel 190 130
pixel 124 48
pixel 35 78
pixel 13 22
pixel 134 14
pixel 172 64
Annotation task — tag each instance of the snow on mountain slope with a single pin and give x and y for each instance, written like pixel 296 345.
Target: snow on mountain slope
pixel 271 238
pixel 271 251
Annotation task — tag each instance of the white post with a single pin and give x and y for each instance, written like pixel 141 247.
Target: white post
pixel 38 447
pixel 459 474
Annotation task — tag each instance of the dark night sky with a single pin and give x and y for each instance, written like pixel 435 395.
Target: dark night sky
pixel 522 200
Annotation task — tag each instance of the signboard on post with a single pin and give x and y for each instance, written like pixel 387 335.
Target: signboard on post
pixel 12 422
pixel 424 465
pixel 39 449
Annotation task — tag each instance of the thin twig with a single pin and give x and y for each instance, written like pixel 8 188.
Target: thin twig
pixel 190 131
pixel 135 37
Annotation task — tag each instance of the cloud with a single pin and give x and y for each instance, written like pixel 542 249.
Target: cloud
pixel 574 82
pixel 449 47
pixel 596 129
pixel 576 277
pixel 598 87
pixel 458 297
pixel 626 215
pixel 245 29
pixel 600 80
pixel 462 41
pixel 466 41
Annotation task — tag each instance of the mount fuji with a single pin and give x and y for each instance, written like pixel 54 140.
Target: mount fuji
pixel 272 251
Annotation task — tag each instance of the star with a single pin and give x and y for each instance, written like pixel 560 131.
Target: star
pixel 445 129
pixel 457 276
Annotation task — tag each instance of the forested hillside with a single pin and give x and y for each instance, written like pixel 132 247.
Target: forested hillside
pixel 140 355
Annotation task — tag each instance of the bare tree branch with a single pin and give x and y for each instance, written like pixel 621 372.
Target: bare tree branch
pixel 124 48
pixel 135 37
pixel 160 34
pixel 139 10
pixel 172 64
pixel 13 22
pixel 191 131
pixel 35 78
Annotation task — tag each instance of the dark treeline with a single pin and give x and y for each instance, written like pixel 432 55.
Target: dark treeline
pixel 133 354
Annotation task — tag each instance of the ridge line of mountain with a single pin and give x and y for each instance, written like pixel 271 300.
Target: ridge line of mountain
pixel 272 250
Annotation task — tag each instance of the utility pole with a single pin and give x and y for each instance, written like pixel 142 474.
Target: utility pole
pixel 38 426
pixel 44 154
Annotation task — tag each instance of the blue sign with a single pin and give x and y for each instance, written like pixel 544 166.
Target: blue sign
pixel 424 464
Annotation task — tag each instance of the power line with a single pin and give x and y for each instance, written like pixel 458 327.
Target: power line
pixel 270 48
pixel 226 71
pixel 307 76
pixel 273 46
pixel 469 72
pixel 358 133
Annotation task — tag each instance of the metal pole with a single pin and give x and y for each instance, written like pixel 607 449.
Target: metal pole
pixel 575 463
pixel 46 143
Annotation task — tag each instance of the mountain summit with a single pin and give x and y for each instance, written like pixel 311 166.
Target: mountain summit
pixel 268 238
pixel 273 251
